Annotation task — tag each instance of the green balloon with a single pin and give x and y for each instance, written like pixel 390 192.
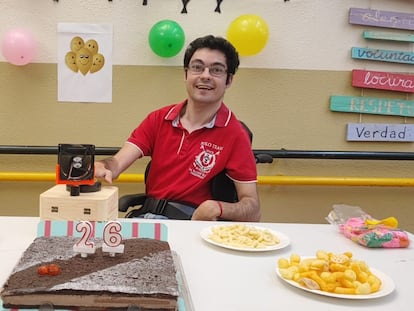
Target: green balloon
pixel 166 38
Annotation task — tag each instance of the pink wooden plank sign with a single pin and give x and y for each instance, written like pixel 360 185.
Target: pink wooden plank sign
pixel 383 80
pixel 379 18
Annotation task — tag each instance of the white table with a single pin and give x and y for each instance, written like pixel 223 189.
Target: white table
pixel 222 279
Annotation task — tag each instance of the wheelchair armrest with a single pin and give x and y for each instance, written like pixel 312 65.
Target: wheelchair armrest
pixel 130 200
pixel 263 158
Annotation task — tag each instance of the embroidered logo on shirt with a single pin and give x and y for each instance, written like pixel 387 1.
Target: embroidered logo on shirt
pixel 205 160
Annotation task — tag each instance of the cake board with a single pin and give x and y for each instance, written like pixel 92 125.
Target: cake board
pixel 132 229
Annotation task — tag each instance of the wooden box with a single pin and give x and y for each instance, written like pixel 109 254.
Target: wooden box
pixel 57 204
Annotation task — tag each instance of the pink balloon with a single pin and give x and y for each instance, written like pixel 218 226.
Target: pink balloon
pixel 18 47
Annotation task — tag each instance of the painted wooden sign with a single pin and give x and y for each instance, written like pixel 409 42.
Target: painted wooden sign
pixel 370 105
pixel 390 36
pixel 379 18
pixel 380 132
pixel 391 56
pixel 383 80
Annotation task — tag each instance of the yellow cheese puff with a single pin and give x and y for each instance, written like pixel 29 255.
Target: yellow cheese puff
pixel 344 290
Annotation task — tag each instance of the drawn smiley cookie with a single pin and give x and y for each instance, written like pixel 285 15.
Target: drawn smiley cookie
pixel 84 60
pixel 70 61
pixel 76 44
pixel 98 61
pixel 92 46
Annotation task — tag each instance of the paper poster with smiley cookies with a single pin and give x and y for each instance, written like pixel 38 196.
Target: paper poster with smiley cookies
pixel 84 63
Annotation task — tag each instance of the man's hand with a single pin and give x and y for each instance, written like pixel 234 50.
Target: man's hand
pixel 246 209
pixel 102 172
pixel 111 167
pixel 208 210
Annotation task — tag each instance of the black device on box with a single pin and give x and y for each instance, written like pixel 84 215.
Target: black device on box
pixel 76 168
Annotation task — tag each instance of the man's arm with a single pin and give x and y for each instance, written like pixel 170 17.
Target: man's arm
pixel 246 209
pixel 110 168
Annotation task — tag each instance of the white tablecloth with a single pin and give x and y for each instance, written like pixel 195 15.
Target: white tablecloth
pixel 228 280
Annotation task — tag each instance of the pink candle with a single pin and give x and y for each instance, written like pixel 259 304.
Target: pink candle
pixel 84 246
pixel 112 238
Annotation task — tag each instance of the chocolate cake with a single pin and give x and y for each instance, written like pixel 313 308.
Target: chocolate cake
pixel 143 276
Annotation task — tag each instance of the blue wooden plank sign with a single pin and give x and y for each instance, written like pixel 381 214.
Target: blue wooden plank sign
pixel 390 36
pixel 402 57
pixel 371 105
pixel 380 132
pixel 377 18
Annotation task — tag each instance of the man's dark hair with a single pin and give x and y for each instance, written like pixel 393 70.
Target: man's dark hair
pixel 214 43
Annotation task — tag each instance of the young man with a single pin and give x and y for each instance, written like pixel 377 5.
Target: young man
pixel 191 142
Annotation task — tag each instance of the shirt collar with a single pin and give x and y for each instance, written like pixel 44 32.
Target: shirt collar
pixel 221 119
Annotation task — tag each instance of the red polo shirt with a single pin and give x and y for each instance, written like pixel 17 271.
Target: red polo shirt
pixel 183 164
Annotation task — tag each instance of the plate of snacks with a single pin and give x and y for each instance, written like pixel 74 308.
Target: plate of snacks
pixel 334 275
pixel 243 237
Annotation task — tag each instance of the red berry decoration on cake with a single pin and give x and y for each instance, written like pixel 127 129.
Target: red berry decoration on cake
pixel 43 270
pixel 53 269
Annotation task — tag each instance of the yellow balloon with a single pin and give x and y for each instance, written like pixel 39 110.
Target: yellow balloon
pixel 248 33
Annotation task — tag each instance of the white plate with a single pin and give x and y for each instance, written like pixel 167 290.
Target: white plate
pixel 387 287
pixel 284 240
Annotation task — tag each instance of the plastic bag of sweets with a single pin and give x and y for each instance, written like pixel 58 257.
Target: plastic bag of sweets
pixel 365 230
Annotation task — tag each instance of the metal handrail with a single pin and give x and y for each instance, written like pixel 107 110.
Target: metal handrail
pixel 262 156
pixel 281 153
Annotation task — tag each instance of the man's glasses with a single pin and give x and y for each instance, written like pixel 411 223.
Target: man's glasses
pixel 216 70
